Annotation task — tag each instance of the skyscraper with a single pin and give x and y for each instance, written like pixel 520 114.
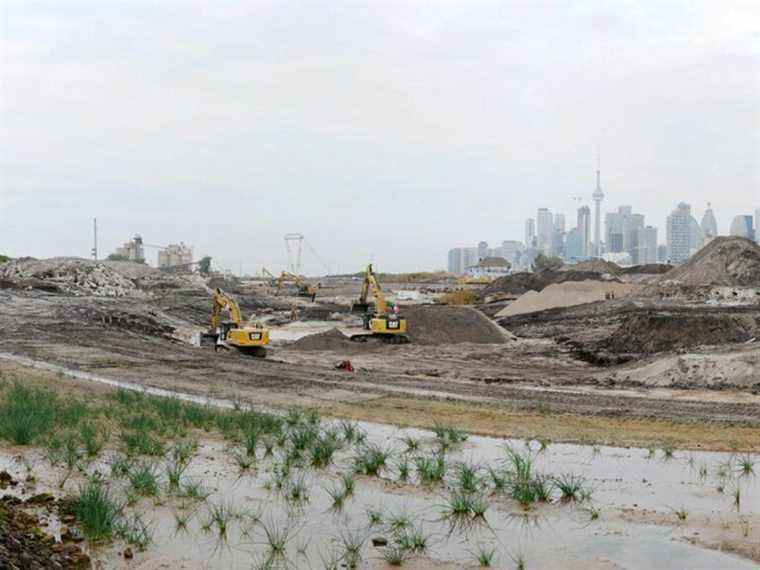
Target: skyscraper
pixel 584 227
pixel 530 232
pixel 742 226
pixel 684 236
pixel 646 245
pixel 544 229
pixel 598 196
pixel 709 225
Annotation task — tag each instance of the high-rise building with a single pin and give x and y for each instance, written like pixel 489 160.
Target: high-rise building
pixel 598 196
pixel 584 227
pixel 559 223
pixel 684 236
pixel 709 225
pixel 530 233
pixel 510 250
pixel 574 245
pixel 742 226
pixel 544 230
pixel 646 246
pixel 460 258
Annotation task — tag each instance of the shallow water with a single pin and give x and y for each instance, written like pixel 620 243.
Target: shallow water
pixel 559 535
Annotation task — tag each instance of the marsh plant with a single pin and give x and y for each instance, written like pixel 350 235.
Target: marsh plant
pixel 484 555
pixel 431 469
pixel 371 460
pixel 571 486
pixel 95 509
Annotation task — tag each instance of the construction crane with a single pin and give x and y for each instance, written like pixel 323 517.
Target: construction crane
pixel 380 322
pixel 249 339
pixel 305 289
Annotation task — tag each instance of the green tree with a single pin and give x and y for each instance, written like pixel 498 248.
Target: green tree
pixel 546 262
pixel 4 258
pixel 204 265
pixel 117 257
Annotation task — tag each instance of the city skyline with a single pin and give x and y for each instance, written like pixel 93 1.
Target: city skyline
pixel 273 118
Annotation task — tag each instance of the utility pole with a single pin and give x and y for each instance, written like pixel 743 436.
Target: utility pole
pixel 95 239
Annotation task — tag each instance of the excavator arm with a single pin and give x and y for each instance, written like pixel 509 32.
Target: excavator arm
pixel 371 285
pixel 221 302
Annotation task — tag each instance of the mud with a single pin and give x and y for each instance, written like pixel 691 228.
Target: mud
pixel 328 340
pixel 24 543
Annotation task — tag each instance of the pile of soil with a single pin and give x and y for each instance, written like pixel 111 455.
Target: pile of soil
pixel 729 261
pixel 448 324
pixel 646 269
pixel 519 283
pixel 328 340
pixel 566 294
pixel 663 331
pixel 594 266
pixel 23 544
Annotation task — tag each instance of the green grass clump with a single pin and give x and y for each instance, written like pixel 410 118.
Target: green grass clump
pixel 484 556
pixel 468 478
pixel 95 510
pixel 135 531
pixel 571 486
pixel 431 469
pixel 322 451
pixel 27 413
pixel 143 480
pixel 371 460
pixel 448 436
pixel 525 486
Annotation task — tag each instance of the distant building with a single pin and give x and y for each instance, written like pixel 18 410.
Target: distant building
pixel 575 246
pixel 742 226
pixel 646 246
pixel 492 267
pixel 511 250
pixel 482 250
pixel 132 250
pixel 462 257
pixel 175 255
pixel 757 225
pixel 584 227
pixel 530 233
pixel 544 230
pixel 662 254
pixel 709 224
pixel 684 236
pixel 559 223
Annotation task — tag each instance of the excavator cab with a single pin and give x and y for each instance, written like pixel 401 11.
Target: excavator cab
pixel 379 322
pixel 249 339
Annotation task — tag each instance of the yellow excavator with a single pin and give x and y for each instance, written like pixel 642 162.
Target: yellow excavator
pixel 305 289
pixel 249 339
pixel 380 322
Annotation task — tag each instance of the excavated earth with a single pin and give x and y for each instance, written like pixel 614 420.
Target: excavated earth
pixel 562 359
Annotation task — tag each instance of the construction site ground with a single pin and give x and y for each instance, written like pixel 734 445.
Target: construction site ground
pixel 533 384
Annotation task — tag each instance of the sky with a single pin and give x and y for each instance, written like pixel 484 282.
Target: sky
pixel 383 131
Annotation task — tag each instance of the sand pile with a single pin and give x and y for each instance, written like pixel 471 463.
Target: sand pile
pixel 731 261
pixel 519 283
pixel 446 324
pixel 660 332
pixel 737 369
pixel 566 294
pixel 328 340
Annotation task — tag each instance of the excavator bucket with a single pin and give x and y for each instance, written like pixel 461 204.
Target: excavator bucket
pixel 360 308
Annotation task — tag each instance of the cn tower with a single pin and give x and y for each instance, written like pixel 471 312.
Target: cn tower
pixel 598 196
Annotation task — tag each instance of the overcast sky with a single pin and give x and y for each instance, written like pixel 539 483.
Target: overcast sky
pixel 390 131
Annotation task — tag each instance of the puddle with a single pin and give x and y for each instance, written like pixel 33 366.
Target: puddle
pixel 636 495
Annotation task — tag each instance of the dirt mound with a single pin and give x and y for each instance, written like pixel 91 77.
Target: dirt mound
pixel 593 266
pixel 730 261
pixel 566 294
pixel 328 340
pixel 519 283
pixel 646 269
pixel 735 369
pixel 661 332
pixel 445 324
